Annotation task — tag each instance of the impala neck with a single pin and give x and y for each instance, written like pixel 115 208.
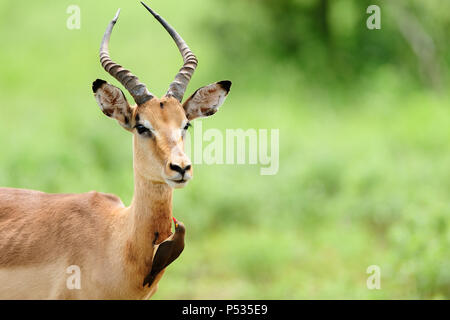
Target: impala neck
pixel 151 211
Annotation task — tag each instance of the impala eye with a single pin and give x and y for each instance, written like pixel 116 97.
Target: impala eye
pixel 142 130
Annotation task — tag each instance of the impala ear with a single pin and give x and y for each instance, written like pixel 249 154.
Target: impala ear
pixel 112 102
pixel 206 100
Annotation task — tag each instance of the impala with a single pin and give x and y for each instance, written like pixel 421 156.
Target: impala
pixel 42 234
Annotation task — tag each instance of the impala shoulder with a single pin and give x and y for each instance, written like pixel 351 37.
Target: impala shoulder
pixel 96 197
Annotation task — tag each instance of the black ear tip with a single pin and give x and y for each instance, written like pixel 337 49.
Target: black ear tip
pixel 225 84
pixel 97 84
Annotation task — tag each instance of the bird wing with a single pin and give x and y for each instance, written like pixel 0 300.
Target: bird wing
pixel 160 259
pixel 175 254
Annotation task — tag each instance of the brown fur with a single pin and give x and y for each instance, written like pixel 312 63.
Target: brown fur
pixel 35 226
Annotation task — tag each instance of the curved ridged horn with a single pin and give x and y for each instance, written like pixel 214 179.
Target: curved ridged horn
pixel 179 84
pixel 137 89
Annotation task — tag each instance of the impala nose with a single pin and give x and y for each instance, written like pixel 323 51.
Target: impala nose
pixel 179 169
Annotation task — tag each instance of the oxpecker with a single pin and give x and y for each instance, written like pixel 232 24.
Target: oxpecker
pixel 166 252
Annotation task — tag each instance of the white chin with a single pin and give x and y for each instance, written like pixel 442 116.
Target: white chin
pixel 176 185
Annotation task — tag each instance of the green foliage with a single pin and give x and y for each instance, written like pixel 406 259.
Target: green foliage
pixel 364 141
pixel 327 40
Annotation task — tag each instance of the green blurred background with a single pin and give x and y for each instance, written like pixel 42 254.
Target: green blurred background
pixel 364 124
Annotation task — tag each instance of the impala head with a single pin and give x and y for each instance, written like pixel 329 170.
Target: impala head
pixel 158 124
